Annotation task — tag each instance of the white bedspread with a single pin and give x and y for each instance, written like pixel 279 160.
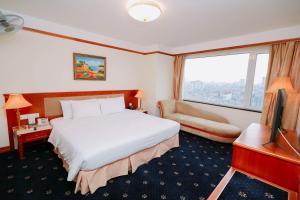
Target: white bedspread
pixel 90 143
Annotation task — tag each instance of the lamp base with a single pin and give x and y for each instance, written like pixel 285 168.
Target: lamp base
pixel 139 104
pixel 18 118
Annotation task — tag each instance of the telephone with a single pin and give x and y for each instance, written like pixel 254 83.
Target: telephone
pixel 42 121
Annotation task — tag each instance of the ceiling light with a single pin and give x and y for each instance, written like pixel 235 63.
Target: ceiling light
pixel 144 11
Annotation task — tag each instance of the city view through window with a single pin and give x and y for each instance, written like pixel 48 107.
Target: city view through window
pixel 259 81
pixel 222 80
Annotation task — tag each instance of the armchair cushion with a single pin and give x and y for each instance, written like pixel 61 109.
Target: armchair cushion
pixel 187 109
pixel 223 129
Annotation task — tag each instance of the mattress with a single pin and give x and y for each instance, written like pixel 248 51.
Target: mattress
pixel 92 142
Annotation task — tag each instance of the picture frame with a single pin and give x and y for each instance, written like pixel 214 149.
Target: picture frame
pixel 89 67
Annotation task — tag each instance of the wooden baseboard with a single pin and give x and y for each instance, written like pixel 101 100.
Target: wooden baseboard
pixel 4 149
pixel 221 186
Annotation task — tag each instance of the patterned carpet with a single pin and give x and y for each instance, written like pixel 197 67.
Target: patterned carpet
pixel 190 172
pixel 258 190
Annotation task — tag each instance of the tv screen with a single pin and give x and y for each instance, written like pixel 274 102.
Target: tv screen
pixel 277 117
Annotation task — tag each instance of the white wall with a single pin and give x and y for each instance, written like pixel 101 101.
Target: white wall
pixel 32 62
pixel 156 80
pixel 164 77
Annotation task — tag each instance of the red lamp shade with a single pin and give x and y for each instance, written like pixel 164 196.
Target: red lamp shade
pixel 16 101
pixel 281 83
pixel 139 94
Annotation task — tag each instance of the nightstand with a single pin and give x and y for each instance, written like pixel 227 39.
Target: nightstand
pixel 142 110
pixel 30 134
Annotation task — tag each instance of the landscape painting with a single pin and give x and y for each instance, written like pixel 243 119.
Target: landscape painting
pixel 88 67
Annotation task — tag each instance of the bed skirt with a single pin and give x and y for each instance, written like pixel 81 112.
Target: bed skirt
pixel 90 181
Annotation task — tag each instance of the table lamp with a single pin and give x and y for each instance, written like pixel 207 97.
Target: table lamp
pixel 16 101
pixel 139 95
pixel 281 83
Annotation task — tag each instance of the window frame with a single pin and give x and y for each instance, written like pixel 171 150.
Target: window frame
pixel 251 68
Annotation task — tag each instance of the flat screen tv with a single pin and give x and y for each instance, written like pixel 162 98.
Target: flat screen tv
pixel 277 117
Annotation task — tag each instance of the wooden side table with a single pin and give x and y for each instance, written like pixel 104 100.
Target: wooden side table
pixel 273 163
pixel 31 134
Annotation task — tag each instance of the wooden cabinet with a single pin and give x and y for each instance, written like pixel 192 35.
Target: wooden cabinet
pixel 274 163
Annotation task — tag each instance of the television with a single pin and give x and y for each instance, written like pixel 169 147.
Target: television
pixel 277 117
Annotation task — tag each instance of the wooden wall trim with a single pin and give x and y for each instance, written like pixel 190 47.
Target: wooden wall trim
pixel 91 42
pixel 79 40
pixel 222 185
pixel 157 52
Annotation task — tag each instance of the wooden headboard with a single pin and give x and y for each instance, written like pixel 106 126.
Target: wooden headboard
pixel 46 104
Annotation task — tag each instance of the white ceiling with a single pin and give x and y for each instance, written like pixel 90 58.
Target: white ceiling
pixel 183 22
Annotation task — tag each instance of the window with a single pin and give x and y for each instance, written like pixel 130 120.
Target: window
pixel 235 78
pixel 259 81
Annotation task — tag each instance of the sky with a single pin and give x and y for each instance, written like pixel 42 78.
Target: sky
pixel 93 62
pixel 261 67
pixel 228 68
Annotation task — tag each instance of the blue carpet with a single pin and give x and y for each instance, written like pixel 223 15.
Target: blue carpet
pixel 238 188
pixel 190 172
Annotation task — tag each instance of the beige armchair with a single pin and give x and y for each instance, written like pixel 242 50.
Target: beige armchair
pixel 200 122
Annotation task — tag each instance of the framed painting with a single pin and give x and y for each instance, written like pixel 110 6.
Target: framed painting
pixel 88 67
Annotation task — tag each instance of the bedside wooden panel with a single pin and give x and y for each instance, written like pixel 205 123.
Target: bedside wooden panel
pixel 36 136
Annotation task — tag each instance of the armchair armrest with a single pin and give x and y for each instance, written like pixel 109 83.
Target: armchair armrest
pixel 166 107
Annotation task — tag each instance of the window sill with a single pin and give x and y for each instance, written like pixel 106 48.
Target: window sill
pixel 224 106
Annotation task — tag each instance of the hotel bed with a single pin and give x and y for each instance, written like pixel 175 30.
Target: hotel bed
pixel 96 149
pixel 96 137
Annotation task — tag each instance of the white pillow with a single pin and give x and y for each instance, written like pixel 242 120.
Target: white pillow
pixel 112 105
pixel 85 108
pixel 66 108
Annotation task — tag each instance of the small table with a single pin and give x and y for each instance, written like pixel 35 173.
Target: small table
pixel 272 163
pixel 30 134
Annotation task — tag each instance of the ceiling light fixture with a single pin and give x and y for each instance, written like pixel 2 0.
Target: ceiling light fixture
pixel 144 10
